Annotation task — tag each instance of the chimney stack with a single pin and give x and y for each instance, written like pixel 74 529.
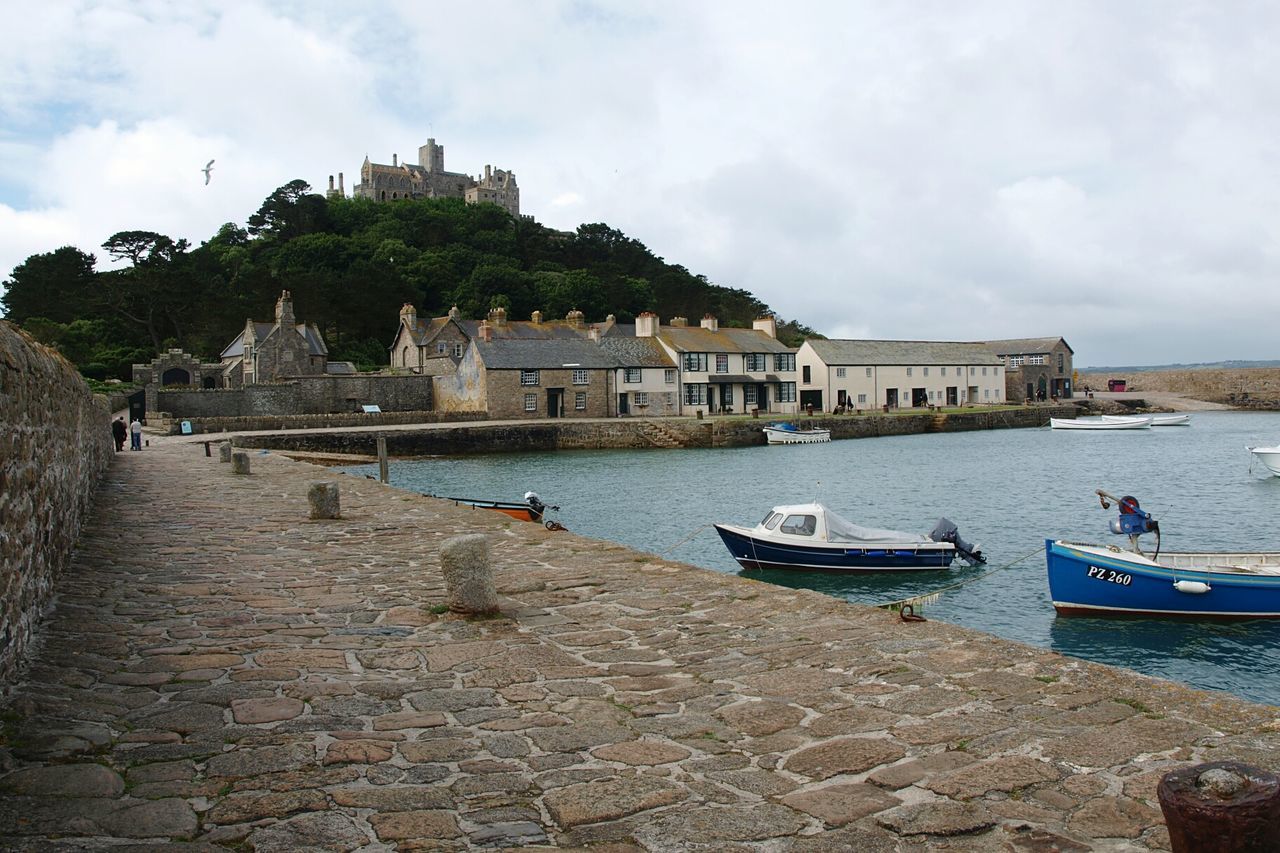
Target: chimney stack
pixel 394 160
pixel 647 324
pixel 537 317
pixel 767 324
pixel 574 318
pixel 711 324
pixel 409 315
pixel 486 331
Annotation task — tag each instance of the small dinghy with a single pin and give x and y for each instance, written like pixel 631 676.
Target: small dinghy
pixel 532 509
pixel 810 537
pixel 1156 420
pixel 788 433
pixel 1103 580
pixel 1100 423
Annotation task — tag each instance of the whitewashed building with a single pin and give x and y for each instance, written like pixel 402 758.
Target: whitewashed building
pixel 859 375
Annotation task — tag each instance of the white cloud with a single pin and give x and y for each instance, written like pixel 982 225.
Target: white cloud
pixel 917 171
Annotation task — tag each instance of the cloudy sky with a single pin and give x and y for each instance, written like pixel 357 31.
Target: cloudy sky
pixel 922 170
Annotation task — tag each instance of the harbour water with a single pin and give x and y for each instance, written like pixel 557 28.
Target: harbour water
pixel 1006 489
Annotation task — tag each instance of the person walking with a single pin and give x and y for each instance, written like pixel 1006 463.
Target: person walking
pixel 118 432
pixel 135 435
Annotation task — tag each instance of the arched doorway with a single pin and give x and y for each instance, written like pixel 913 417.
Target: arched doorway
pixel 175 376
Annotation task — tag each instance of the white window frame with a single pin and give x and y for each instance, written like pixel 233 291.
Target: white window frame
pixel 722 362
pixel 531 402
pixel 530 377
pixel 632 375
pixel 580 401
pixel 786 392
pixel 669 376
pixel 640 398
pixel 579 376
pixel 840 372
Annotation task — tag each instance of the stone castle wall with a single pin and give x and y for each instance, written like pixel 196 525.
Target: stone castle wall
pixel 55 442
pixel 305 395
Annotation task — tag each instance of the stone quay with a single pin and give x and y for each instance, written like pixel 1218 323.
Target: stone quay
pixel 220 671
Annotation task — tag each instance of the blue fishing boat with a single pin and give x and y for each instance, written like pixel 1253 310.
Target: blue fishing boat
pixel 810 537
pixel 1104 580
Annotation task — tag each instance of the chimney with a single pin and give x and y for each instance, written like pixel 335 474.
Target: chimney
pixel 766 324
pixel 394 160
pixel 331 183
pixel 498 316
pixel 486 332
pixel 488 173
pixel 679 322
pixel 537 317
pixel 342 192
pixel 409 315
pixel 711 324
pixel 647 324
pixel 574 318
pixel 284 311
pixel 454 313
pixel 594 334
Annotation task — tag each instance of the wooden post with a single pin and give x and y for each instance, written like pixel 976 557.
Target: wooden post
pixel 383 474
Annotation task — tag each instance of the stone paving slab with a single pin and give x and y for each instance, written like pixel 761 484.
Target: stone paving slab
pixel 222 672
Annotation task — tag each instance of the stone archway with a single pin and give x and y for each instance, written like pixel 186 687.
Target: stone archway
pixel 175 376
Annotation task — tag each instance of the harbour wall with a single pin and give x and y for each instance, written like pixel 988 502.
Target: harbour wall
pixel 55 443
pixel 636 433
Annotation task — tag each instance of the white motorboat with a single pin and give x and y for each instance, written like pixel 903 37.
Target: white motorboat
pixel 1101 423
pixel 1156 420
pixel 1268 456
pixel 810 537
pixel 787 433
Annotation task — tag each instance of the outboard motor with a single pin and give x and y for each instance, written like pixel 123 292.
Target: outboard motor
pixel 1133 520
pixel 946 531
pixel 535 505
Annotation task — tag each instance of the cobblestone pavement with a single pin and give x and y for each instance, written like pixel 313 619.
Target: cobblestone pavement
pixel 222 672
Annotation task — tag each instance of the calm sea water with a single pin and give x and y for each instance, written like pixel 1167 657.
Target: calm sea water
pixel 1006 489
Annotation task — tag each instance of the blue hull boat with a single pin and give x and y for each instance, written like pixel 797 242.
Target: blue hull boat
pixel 812 538
pixel 1103 580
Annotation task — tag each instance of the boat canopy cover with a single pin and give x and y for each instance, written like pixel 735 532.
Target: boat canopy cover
pixel 840 529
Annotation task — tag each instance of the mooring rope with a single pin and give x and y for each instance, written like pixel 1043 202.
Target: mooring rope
pixel 931 597
pixel 684 540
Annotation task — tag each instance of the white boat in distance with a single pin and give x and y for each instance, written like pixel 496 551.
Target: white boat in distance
pixel 1156 420
pixel 1269 457
pixel 785 433
pixel 1119 423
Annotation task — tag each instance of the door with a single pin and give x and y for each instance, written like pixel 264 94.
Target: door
pixel 953 395
pixel 555 402
pixel 891 397
pixel 138 406
pixel 622 405
pixel 810 399
pixel 726 398
pixel 919 398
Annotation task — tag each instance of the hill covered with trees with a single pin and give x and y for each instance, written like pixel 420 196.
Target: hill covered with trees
pixel 350 265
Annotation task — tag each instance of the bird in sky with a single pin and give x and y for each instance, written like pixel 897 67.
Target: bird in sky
pixel 208 167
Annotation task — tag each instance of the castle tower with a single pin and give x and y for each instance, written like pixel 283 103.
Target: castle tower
pixel 431 157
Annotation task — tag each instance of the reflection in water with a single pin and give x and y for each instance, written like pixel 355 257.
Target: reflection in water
pixel 1006 489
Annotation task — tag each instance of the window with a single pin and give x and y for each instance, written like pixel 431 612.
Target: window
pixel 862 399
pixel 669 376
pixel 631 374
pixel 1060 362
pixel 531 402
pixel 1015 361
pixel 579 377
pixel 995 371
pixel 840 373
pixel 786 392
pixel 944 371
pixel 930 395
pixel 580 400
pixel 984 371
pixel 909 369
pixel 973 371
pixel 671 399
pixel 804 375
pixel 528 377
pixel 784 361
pixel 986 392
pixel 457 350
pixel 868 372
pixel 695 394
pixel 695 362
pixel 1035 359
pixel 800 525
pixel 997 393
pixel 926 371
pixel 756 362
pixel 722 362
pixel 771 520
pixel 641 398
pixel 749 395
pixel 441 348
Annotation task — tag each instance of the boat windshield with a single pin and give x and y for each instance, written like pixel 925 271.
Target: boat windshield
pixel 800 525
pixel 770 520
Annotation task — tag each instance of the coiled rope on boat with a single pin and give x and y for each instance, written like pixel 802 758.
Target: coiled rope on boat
pixel 906 607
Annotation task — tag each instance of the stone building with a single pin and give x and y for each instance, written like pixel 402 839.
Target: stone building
pixel 1036 368
pixel 428 179
pixel 265 352
pixel 860 375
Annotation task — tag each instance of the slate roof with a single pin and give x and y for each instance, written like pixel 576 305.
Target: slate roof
pixel 690 339
pixel 309 331
pixel 1027 346
pixel 902 352
pixel 637 352
pixel 543 354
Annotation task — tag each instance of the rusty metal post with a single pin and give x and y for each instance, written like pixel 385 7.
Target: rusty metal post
pixel 1221 807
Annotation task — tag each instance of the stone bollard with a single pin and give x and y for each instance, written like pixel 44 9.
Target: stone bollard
pixel 1221 807
pixel 239 462
pixel 323 498
pixel 468 579
pixel 224 451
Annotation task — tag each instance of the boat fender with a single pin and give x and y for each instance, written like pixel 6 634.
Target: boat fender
pixel 1192 587
pixel 908 614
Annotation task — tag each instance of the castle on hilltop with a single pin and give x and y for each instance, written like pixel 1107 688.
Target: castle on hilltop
pixel 428 179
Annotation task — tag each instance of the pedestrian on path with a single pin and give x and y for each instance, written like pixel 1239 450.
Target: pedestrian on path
pixel 135 434
pixel 118 432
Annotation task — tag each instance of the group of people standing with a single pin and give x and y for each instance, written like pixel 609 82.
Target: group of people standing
pixel 134 432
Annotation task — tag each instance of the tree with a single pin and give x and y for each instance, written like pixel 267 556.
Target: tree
pixel 149 294
pixel 289 212
pixel 55 285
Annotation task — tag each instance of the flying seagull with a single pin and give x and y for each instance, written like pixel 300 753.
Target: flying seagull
pixel 208 167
